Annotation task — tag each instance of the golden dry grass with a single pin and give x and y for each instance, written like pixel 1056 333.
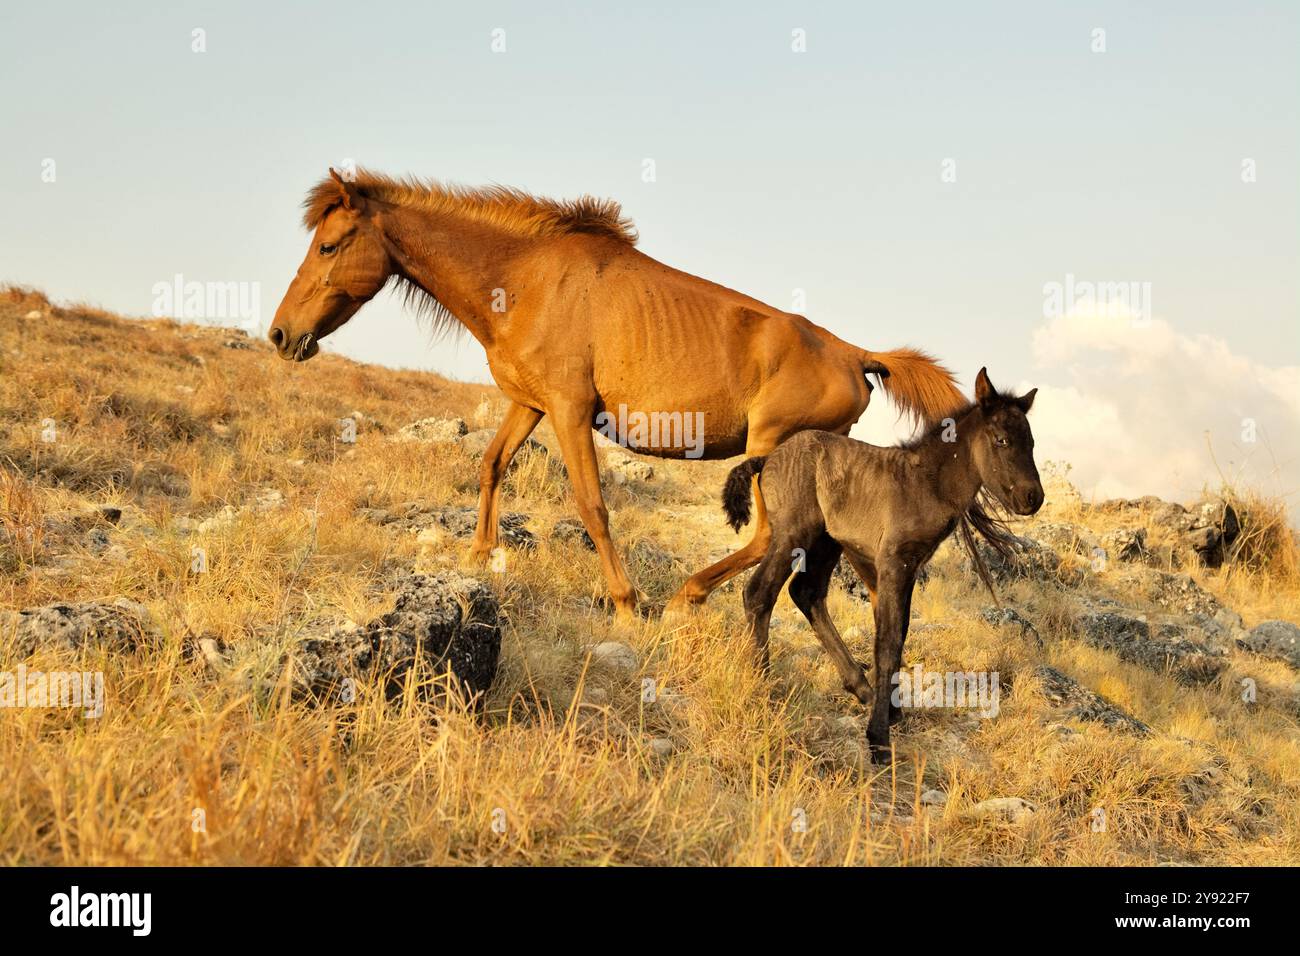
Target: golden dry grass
pixel 165 421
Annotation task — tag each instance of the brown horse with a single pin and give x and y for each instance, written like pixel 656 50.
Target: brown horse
pixel 886 510
pixel 575 322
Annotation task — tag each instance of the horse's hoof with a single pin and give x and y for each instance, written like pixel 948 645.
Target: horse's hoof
pixel 679 610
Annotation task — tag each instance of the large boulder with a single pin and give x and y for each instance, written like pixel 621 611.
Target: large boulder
pixel 1279 640
pixel 444 622
pixel 1085 704
pixel 122 625
pixel 1170 651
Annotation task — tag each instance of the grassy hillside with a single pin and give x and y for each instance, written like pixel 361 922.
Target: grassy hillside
pixel 202 438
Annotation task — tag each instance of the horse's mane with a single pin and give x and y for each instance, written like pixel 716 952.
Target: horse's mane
pixel 504 207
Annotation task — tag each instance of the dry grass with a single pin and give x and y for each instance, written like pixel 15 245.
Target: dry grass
pixel 166 422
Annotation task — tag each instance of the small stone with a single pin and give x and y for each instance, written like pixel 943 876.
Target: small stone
pixel 436 431
pixel 1010 809
pixel 616 655
pixel 934 798
pixel 662 746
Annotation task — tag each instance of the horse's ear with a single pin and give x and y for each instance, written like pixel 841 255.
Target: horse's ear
pixel 1026 401
pixel 348 192
pixel 984 390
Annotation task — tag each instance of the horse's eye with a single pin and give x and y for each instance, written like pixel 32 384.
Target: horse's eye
pixel 327 248
pixel 1001 442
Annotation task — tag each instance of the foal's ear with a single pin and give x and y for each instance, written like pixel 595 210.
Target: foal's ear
pixel 348 192
pixel 1026 401
pixel 984 390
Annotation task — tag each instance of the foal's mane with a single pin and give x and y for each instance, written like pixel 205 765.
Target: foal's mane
pixel 985 517
pixel 513 210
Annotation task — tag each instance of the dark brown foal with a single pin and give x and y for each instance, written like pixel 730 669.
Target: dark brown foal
pixel 886 510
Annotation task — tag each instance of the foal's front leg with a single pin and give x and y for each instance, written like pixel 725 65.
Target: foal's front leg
pixel 894 593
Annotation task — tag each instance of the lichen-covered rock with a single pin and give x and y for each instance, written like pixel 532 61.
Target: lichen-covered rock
pixel 572 530
pixel 434 431
pixel 1279 640
pixel 1179 594
pixel 1010 617
pixel 1129 637
pixel 1027 560
pixel 1125 544
pixel 445 622
pixel 1083 703
pixel 415 517
pixel 122 625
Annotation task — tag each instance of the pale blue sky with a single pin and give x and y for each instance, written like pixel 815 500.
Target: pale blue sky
pixel 775 170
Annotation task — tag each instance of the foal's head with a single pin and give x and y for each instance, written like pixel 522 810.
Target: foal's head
pixel 1004 449
pixel 346 264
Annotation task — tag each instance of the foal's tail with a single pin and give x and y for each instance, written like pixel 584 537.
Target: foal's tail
pixel 736 492
pixel 918 384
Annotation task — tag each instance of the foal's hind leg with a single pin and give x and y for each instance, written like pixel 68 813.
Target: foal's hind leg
pixel 808 591
pixel 760 597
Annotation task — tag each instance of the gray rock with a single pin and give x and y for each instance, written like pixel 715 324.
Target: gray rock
pixel 1084 704
pixel 616 656
pixel 1028 560
pixel 1188 661
pixel 414 517
pixel 123 625
pixel 446 621
pixel 1010 809
pixel 1065 538
pixel 1180 594
pixel 1278 640
pixel 435 431
pixel 620 468
pixel 1010 617
pixel 1125 544
pixel 572 530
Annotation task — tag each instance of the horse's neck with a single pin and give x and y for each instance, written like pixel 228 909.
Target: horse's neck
pixel 957 480
pixel 456 262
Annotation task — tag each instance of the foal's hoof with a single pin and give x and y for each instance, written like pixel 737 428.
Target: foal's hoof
pixel 880 753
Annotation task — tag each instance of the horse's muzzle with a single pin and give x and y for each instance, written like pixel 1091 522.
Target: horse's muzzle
pixel 300 350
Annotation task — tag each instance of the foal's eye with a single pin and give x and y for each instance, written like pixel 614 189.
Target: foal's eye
pixel 327 248
pixel 1000 442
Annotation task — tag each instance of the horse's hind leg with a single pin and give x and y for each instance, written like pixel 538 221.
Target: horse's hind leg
pixel 703 583
pixel 514 431
pixel 808 591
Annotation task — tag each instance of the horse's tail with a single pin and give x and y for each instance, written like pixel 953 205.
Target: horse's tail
pixel 918 384
pixel 736 492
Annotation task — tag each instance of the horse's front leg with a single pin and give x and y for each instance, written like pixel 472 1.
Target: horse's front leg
pixel 573 427
pixel 514 431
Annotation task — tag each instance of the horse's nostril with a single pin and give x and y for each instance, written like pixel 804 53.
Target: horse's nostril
pixel 277 336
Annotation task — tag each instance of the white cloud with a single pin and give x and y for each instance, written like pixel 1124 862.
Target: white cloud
pixel 1140 408
pixel 1145 409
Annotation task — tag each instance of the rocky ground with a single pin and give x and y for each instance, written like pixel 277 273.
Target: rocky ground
pixel 265 562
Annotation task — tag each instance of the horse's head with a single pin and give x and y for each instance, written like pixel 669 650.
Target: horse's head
pixel 346 264
pixel 1004 451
